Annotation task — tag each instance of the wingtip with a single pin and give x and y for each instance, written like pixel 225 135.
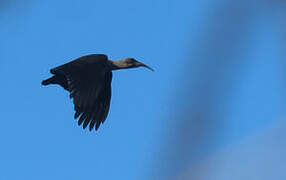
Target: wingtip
pixel 97 126
pixel 76 115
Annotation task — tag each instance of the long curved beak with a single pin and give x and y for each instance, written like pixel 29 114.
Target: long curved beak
pixel 144 65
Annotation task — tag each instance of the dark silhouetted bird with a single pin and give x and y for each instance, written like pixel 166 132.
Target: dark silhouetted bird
pixel 88 79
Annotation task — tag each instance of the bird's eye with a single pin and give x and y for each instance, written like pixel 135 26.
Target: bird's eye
pixel 131 60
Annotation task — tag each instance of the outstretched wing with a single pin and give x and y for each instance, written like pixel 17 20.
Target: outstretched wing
pixel 89 84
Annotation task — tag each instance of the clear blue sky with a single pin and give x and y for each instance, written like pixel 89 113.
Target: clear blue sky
pixel 39 138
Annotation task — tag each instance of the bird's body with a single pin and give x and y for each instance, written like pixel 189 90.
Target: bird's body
pixel 88 79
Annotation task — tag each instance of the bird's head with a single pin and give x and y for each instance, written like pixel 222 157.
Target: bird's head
pixel 132 63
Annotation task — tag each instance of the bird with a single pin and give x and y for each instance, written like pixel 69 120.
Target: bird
pixel 88 81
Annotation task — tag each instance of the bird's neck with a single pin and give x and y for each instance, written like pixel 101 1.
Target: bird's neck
pixel 120 64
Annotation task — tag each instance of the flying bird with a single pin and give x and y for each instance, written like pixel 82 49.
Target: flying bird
pixel 88 80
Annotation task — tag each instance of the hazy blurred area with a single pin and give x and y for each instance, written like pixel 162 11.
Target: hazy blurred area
pixel 231 93
pixel 259 157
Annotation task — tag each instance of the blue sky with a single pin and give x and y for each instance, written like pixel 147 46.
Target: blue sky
pixel 38 136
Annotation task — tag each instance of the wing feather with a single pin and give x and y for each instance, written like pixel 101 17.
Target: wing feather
pixel 89 84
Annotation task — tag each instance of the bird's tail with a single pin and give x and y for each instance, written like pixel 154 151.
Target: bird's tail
pixel 56 79
pixel 51 80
